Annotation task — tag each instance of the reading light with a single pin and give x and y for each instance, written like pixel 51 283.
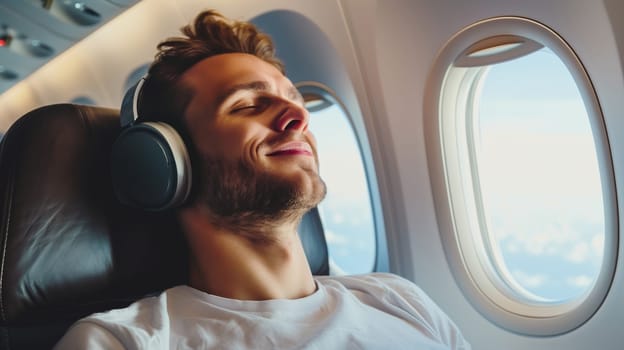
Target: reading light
pixel 5 36
pixel 7 74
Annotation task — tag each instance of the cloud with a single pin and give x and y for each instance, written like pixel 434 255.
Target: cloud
pixel 337 218
pixel 529 280
pixel 579 253
pixel 550 239
pixel 335 239
pixel 597 245
pixel 580 281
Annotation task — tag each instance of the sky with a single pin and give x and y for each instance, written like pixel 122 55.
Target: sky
pixel 539 177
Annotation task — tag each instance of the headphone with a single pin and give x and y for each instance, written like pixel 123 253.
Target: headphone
pixel 150 164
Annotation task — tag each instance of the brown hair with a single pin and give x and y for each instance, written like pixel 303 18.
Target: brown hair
pixel 210 34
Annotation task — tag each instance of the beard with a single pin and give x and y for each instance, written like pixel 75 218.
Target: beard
pixel 254 202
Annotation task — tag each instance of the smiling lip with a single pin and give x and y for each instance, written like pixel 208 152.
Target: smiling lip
pixel 292 148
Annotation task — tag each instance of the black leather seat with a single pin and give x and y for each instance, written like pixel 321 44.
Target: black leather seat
pixel 68 248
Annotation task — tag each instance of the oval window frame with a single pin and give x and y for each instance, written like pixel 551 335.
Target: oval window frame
pixel 470 262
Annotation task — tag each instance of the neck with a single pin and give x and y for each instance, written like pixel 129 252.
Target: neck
pixel 238 266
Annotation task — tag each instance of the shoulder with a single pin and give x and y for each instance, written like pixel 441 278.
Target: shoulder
pixel 121 328
pixel 377 281
pixel 88 335
pixel 402 298
pixel 372 277
pixel 388 289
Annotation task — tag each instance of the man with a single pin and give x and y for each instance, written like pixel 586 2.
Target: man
pixel 250 285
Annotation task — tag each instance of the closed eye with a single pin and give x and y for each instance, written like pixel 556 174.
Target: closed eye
pixel 258 105
pixel 249 107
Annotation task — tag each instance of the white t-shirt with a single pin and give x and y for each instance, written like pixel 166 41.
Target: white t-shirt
pixel 373 311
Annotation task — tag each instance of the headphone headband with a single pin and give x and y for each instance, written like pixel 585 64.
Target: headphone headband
pixel 130 103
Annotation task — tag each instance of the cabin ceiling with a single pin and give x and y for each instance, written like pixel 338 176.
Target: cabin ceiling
pixel 33 32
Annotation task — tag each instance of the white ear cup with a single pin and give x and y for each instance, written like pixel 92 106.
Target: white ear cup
pixel 181 159
pixel 150 167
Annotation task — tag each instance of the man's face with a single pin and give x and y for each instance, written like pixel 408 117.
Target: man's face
pixel 250 132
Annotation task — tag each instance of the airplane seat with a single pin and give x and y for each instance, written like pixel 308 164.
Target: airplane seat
pixel 68 248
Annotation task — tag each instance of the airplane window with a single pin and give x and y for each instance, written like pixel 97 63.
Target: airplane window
pixel 528 178
pixel 539 177
pixel 346 211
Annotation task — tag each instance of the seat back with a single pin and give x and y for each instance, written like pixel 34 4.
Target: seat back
pixel 68 248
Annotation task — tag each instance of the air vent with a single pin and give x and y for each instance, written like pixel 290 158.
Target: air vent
pixel 71 11
pixel 7 74
pixel 35 48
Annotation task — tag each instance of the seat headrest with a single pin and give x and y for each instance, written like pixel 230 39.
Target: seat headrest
pixel 312 237
pixel 68 247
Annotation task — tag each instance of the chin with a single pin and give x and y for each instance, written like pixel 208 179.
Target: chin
pixel 237 190
pixel 312 189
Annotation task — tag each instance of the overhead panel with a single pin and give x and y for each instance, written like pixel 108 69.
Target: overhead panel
pixel 32 32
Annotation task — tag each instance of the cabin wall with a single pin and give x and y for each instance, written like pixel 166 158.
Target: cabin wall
pixel 409 34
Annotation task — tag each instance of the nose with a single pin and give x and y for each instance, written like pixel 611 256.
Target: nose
pixel 293 117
